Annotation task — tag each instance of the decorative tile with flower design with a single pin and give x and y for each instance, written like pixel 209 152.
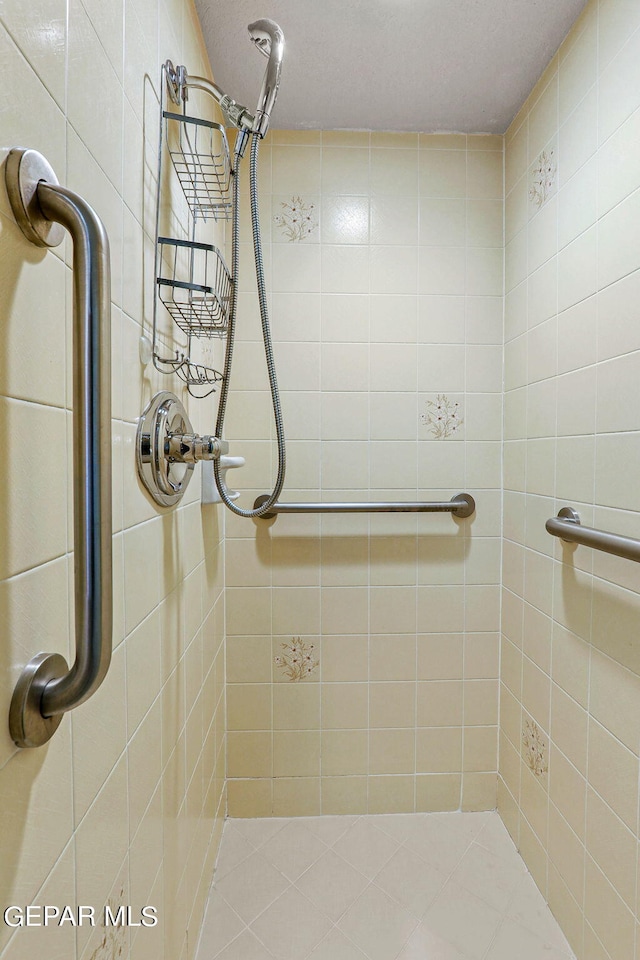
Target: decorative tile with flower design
pixel 536 749
pixel 297 220
pixel 297 661
pixel 543 177
pixel 443 417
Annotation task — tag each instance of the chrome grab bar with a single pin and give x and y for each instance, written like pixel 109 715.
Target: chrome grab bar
pixel 567 526
pixel 462 505
pixel 47 687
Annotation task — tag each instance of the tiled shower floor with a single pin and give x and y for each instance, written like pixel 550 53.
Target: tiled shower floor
pixel 400 887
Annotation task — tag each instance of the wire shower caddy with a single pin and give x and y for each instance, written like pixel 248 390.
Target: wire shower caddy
pixel 192 279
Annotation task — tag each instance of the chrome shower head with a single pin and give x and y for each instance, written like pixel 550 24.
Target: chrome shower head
pixel 268 38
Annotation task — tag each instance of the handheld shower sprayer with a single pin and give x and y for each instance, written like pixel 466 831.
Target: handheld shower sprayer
pixel 268 38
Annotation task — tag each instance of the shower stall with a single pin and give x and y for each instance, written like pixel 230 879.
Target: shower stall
pixel 382 704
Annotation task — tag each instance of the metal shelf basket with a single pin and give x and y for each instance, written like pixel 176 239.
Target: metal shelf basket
pixel 200 305
pixel 200 153
pixel 200 379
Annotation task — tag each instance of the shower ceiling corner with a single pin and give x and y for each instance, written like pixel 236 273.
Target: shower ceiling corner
pixel 433 67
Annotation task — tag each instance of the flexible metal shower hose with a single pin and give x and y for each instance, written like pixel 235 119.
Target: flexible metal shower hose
pixel 266 335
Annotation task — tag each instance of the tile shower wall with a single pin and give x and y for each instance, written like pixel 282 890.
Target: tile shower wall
pixel 570 692
pixel 362 657
pixel 124 804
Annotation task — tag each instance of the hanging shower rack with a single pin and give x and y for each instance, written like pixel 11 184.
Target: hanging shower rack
pixel 192 279
pixel 199 309
pixel 202 163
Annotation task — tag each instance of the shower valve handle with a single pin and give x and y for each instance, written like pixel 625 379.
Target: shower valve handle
pixel 191 448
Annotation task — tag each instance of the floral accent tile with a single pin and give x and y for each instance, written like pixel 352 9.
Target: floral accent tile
pixel 298 660
pixel 543 177
pixel 443 417
pixel 297 221
pixel 536 749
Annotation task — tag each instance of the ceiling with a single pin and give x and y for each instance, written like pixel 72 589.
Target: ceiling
pixel 427 65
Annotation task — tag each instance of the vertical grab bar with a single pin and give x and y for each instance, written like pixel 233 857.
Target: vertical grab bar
pixel 47 687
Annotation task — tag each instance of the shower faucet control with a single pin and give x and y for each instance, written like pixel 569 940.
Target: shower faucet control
pixel 167 449
pixel 190 447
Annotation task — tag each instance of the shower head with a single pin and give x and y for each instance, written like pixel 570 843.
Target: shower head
pixel 268 38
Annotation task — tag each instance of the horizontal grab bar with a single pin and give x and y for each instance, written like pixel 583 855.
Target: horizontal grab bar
pixel 462 505
pixel 48 687
pixel 567 526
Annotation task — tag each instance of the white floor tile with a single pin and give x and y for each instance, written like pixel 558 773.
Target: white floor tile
pixel 335 946
pixel 251 887
pixel 245 947
pixel 221 925
pixel 291 927
pixel 293 850
pixel 399 887
pixel 495 837
pixel 423 944
pixel 258 831
pixel 491 878
pixel 528 908
pixel 464 921
pixel 377 924
pixel 329 829
pixel 412 882
pixel 365 847
pixel 234 848
pixel 513 940
pixel 397 825
pixel 333 884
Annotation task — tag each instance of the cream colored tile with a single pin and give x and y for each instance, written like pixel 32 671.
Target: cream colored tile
pixel 617 99
pixel 392 705
pixel 36 521
pixel 394 220
pixel 578 65
pixel 443 173
pixel 543 119
pixel 345 220
pixel 345 269
pixel 516 154
pixel 391 751
pixel 617 236
pixel 606 913
pixel 443 222
pixel 344 610
pixel 296 169
pixel 394 173
pixel 442 270
pixel 344 753
pixel 345 170
pixel 346 706
pixel 249 706
pixel 296 268
pixel 297 797
pixel 484 175
pixel 87 57
pixel 613 773
pixel 394 269
pixel 296 706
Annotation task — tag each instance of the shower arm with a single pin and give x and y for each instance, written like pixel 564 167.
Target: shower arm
pixel 179 82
